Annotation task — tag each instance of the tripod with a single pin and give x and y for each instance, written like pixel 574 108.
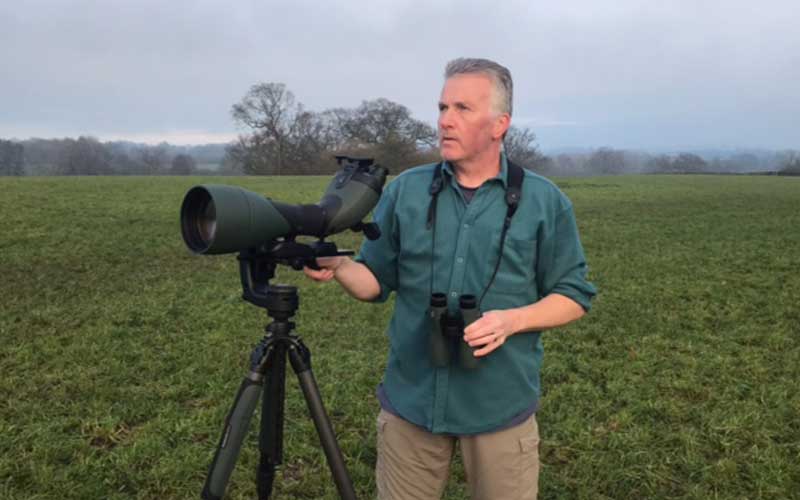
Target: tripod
pixel 268 373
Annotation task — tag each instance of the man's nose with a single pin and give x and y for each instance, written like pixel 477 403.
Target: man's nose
pixel 445 119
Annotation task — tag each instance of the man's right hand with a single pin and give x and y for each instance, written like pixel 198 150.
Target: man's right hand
pixel 328 267
pixel 354 276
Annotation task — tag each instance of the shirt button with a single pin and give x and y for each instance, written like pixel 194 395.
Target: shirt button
pixel 460 260
pixel 454 294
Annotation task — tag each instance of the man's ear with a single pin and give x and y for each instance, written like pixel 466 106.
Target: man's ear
pixel 501 124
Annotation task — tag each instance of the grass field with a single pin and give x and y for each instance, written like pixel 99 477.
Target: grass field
pixel 120 352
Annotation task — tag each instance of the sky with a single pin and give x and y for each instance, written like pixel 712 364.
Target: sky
pixel 625 73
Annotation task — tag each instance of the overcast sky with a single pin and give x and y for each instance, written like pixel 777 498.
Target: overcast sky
pixel 621 73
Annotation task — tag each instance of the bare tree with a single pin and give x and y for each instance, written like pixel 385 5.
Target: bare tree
pixel 251 154
pixel 312 140
pixel 336 123
pixel 565 164
pixel 183 164
pixel 270 111
pixel 606 161
pixel 12 158
pixel 284 137
pixel 42 156
pixel 661 164
pixel 381 121
pixel 154 159
pixel 123 164
pixel 742 162
pixel 789 163
pixel 230 165
pixel 386 131
pixel 688 163
pixel 520 147
pixel 86 156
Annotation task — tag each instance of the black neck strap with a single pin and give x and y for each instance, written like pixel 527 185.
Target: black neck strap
pixel 513 195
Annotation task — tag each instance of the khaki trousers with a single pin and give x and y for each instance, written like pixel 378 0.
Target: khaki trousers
pixel 414 464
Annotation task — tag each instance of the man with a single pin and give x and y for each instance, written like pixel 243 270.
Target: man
pixel 532 280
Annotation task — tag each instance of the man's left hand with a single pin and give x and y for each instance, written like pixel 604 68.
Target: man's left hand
pixel 490 331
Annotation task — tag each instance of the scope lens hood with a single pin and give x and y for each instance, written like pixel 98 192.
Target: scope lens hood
pixel 198 219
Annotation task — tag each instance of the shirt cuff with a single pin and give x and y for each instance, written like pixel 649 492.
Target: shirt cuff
pixel 580 295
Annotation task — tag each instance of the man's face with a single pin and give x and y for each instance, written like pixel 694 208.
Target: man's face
pixel 467 124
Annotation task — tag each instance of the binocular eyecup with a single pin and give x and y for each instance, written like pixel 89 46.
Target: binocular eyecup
pixel 447 331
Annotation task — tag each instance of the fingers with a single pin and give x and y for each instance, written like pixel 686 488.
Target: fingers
pixel 329 262
pixel 491 346
pixel 318 275
pixel 327 265
pixel 474 329
pixel 487 333
pixel 479 332
pixel 484 339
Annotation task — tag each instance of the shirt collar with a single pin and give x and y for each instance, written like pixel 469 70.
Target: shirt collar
pixel 502 176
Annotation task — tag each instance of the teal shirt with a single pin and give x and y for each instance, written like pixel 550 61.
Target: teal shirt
pixel 542 255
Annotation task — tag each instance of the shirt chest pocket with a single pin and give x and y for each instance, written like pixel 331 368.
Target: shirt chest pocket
pixel 516 273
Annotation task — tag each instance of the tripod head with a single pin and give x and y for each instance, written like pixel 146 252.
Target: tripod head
pixel 257 267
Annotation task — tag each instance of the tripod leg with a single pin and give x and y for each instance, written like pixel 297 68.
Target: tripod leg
pixel 236 424
pixel 300 357
pixel 270 441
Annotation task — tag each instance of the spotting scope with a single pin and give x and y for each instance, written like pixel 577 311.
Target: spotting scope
pixel 217 219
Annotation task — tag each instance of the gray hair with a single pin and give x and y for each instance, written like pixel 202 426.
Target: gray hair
pixel 500 76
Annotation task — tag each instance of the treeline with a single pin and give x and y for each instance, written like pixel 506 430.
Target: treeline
pixel 285 138
pixel 609 161
pixel 89 156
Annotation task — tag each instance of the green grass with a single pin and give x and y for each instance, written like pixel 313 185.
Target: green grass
pixel 121 352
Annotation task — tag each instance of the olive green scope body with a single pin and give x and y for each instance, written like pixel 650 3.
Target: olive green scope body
pixel 217 219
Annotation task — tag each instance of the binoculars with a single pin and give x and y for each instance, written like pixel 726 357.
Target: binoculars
pixel 447 331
